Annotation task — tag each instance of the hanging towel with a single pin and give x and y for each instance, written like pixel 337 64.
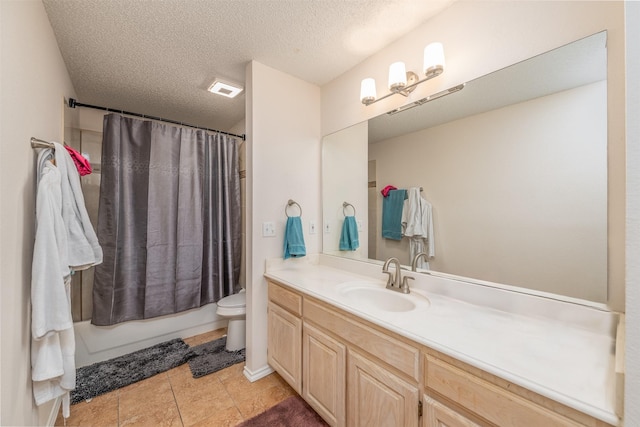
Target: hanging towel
pixel 64 241
pixel 82 164
pixel 417 224
pixel 84 249
pixel 392 214
pixel 349 240
pixel 293 238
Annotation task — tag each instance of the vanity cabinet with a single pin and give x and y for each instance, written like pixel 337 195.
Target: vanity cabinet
pixel 352 374
pixel 355 373
pixel 324 364
pixel 489 398
pixel 377 397
pixel 284 335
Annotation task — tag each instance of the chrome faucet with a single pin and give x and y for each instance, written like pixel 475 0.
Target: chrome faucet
pixel 414 263
pixel 395 281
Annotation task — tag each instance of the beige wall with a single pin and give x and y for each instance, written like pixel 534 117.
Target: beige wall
pixel 483 36
pixel 345 175
pixel 34 84
pixel 531 172
pixel 283 162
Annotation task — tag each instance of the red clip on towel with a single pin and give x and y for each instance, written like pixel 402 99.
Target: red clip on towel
pixel 83 165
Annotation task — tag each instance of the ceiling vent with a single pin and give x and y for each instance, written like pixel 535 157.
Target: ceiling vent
pixel 228 89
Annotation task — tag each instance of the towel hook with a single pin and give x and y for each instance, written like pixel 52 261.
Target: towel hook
pixel 290 203
pixel 344 208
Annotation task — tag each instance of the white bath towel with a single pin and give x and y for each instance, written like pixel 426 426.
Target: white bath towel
pixel 49 303
pixel 65 241
pixel 417 225
pixel 84 249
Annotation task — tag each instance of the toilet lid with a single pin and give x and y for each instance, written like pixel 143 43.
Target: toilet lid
pixel 236 300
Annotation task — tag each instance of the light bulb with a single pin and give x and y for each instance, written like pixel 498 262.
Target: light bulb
pixel 397 76
pixel 433 59
pixel 368 91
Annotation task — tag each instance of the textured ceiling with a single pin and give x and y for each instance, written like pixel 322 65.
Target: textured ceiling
pixel 159 57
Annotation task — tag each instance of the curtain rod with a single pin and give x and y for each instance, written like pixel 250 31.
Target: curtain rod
pixel 73 103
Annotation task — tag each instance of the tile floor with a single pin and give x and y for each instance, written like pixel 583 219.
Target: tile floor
pixel 174 398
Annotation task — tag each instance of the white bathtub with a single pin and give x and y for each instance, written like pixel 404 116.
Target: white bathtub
pixel 98 343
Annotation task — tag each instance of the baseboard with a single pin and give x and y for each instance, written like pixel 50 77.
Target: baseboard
pixel 53 415
pixel 256 375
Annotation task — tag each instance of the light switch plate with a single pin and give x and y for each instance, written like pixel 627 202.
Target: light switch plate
pixel 268 229
pixel 312 227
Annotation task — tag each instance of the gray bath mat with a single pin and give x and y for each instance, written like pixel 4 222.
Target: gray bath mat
pixel 103 377
pixel 211 357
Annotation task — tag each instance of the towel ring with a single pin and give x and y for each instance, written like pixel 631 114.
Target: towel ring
pixel 344 208
pixel 290 203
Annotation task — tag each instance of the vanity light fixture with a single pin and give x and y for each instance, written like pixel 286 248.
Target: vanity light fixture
pixel 427 99
pixel 228 89
pixel 402 81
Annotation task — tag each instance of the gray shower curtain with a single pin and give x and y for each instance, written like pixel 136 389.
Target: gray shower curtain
pixel 168 220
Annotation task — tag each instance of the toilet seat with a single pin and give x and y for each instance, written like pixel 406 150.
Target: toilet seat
pixel 233 305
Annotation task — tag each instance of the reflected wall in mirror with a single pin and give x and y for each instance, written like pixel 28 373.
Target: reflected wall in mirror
pixel 514 166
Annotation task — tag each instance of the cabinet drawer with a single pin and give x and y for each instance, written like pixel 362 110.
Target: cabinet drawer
pixel 397 354
pixel 487 400
pixel 285 298
pixel 437 415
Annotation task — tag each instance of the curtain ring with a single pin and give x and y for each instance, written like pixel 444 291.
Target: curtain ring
pixel 290 203
pixel 344 208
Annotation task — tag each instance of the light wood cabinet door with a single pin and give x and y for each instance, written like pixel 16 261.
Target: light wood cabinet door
pixel 284 345
pixel 377 397
pixel 324 373
pixel 438 415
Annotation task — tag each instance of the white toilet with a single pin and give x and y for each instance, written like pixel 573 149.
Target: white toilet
pixel 234 308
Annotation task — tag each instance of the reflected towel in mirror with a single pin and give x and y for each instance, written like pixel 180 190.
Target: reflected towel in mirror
pixel 392 214
pixel 349 240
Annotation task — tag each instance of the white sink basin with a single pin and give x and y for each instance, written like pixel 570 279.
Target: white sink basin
pixel 370 296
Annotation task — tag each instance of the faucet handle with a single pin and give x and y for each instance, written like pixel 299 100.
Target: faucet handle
pixel 390 281
pixel 405 283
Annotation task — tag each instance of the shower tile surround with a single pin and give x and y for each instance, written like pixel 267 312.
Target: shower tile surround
pixel 175 398
pixel 562 350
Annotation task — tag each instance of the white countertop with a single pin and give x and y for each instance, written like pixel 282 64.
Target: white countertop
pixel 560 350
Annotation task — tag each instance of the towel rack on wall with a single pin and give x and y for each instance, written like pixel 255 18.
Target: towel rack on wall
pixel 40 143
pixel 291 203
pixel 344 208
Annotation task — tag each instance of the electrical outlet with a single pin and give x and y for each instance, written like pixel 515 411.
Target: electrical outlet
pixel 312 227
pixel 268 229
pixel 359 222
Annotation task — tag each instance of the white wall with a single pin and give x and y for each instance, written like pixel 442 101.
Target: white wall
pixel 632 385
pixel 283 162
pixel 539 176
pixel 34 84
pixel 483 36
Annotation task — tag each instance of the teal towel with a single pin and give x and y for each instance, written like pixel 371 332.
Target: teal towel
pixel 293 238
pixel 349 237
pixel 392 214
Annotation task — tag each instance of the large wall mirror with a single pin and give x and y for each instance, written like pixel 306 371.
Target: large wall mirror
pixel 514 167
